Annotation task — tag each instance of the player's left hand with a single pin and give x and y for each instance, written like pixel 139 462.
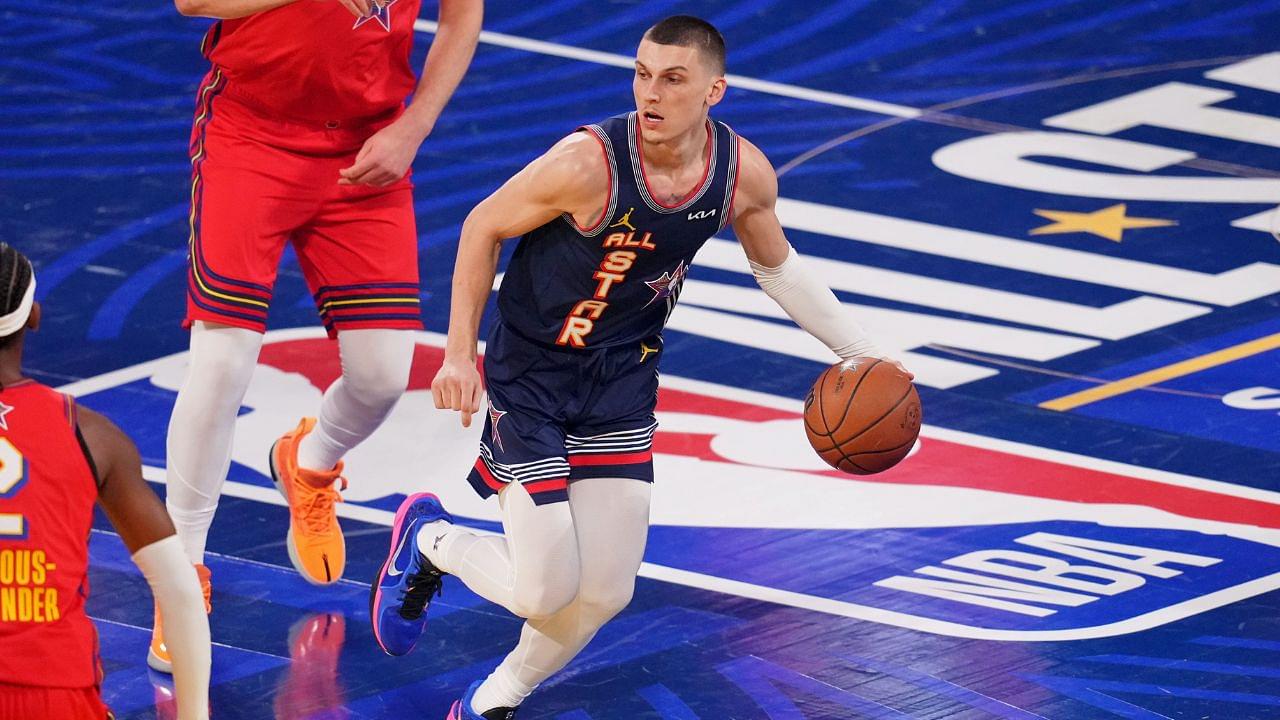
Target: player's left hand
pixel 384 158
pixel 900 366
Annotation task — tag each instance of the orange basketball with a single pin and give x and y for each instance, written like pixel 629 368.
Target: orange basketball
pixel 862 416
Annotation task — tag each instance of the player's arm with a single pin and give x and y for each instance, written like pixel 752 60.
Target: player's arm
pixel 144 526
pixel 386 156
pixel 231 9
pixel 570 178
pixel 779 269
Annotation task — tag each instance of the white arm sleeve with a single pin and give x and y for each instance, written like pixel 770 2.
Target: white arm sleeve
pixel 173 581
pixel 813 307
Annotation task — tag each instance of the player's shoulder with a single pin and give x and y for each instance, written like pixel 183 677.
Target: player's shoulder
pixel 752 159
pixel 106 442
pixel 580 150
pixel 757 180
pixel 576 161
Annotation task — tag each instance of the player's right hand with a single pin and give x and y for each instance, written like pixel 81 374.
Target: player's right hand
pixel 359 8
pixel 457 386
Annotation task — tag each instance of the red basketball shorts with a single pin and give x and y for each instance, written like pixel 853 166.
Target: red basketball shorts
pixel 21 702
pixel 260 183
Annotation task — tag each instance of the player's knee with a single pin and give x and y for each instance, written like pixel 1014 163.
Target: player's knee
pixel 377 381
pixel 224 375
pixel 605 601
pixel 546 597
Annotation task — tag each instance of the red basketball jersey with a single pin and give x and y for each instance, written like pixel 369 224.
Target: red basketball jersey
pixel 47 492
pixel 316 62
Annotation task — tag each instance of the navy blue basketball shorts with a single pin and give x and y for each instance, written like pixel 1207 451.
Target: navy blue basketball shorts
pixel 556 416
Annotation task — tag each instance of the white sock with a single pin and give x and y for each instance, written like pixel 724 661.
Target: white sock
pixel 202 427
pixel 433 542
pixel 375 372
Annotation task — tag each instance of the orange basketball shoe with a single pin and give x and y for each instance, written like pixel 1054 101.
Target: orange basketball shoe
pixel 315 542
pixel 158 658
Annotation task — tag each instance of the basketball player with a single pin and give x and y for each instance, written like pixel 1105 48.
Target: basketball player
pixel 56 459
pixel 301 135
pixel 611 218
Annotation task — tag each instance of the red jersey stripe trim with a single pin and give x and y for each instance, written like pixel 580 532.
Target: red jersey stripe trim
pixel 543 486
pixel 611 459
pixel 483 471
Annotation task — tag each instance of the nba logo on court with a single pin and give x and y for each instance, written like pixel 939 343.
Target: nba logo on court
pixel 968 537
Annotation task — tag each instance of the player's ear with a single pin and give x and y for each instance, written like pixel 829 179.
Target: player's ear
pixel 716 93
pixel 33 320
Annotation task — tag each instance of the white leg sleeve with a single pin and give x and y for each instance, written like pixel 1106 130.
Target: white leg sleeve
pixel 532 571
pixel 611 519
pixel 375 372
pixel 198 446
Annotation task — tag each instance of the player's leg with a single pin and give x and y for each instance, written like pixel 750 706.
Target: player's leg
pixel 611 474
pixel 198 446
pixel 236 238
pixel 611 523
pixel 375 372
pixel 359 254
pixel 533 569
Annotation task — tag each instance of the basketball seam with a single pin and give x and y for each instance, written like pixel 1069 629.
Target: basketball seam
pixel 895 448
pixel 852 394
pixel 855 464
pixel 817 399
pixel 905 395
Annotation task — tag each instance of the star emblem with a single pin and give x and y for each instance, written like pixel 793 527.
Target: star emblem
pixel 496 415
pixel 381 13
pixel 1109 223
pixel 4 413
pixel 668 285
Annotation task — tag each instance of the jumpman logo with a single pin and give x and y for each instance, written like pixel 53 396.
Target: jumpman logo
pixel 625 221
pixel 645 351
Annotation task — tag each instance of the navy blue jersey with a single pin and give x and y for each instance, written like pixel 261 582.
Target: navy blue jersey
pixel 617 282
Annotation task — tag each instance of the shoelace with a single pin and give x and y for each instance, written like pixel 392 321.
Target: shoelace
pixel 318 515
pixel 422 586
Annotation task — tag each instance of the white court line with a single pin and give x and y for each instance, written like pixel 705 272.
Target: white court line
pixel 830 606
pixel 622 61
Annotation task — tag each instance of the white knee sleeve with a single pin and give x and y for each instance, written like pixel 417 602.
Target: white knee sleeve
pixel 532 571
pixel 201 429
pixel 375 372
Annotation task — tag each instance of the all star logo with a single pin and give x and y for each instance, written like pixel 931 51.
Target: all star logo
pixel 381 13
pixel 4 415
pixel 668 284
pixel 495 416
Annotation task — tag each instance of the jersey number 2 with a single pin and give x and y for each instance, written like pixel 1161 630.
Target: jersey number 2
pixel 12 475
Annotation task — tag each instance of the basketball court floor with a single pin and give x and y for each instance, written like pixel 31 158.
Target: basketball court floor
pixel 1055 212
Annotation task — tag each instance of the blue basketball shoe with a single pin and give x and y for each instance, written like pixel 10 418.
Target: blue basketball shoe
pixel 461 709
pixel 407 581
